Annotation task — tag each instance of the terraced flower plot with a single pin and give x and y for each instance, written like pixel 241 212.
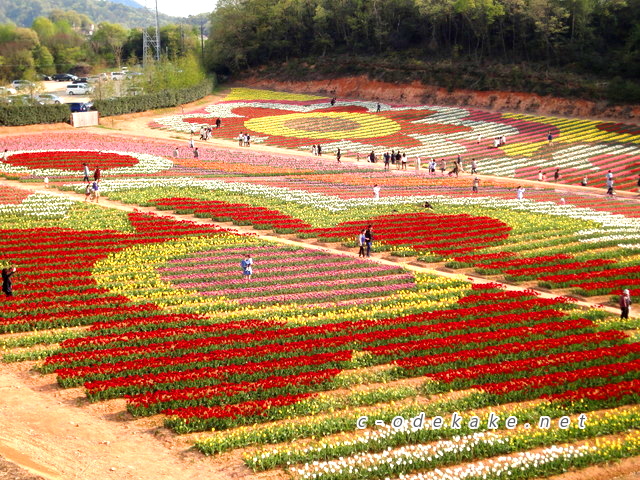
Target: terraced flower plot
pixel 324 365
pixel 578 148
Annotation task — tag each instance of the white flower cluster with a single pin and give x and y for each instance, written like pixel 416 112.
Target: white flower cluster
pixel 146 164
pixel 364 463
pixel 40 205
pixel 573 157
pixel 505 466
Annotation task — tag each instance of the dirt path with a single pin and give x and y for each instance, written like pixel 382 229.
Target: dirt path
pixel 57 435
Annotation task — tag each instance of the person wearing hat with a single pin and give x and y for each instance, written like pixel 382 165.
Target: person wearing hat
pixel 625 303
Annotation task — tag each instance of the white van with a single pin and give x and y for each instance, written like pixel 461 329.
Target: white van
pixel 78 89
pixel 117 75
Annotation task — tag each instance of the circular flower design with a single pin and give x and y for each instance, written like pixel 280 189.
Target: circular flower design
pixel 322 125
pixel 62 163
pixel 352 126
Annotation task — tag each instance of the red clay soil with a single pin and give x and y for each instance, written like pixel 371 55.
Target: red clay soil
pixel 416 93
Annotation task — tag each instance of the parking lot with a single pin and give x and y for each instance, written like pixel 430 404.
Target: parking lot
pixel 60 89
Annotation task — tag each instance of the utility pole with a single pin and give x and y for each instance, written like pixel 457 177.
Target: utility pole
pixel 157 35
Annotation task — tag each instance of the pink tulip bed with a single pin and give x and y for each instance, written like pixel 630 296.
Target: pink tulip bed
pixel 285 276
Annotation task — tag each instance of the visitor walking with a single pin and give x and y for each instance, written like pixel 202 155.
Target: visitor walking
pixel 97 174
pixel 476 183
pixel 88 192
pixel 175 152
pixel 556 175
pixel 86 172
pixel 218 122
pixel 443 166
pixel 404 161
pixel 378 108
pixel 625 304
pixel 474 167
pixel 361 242
pixel 387 159
pixel 247 267
pixel 7 283
pixel 96 190
pixel 376 191
pixel 368 238
pixel 196 154
pixel 338 155
pixel 191 144
pixel 609 179
pixel 550 137
pixel 585 181
pixel 240 139
pixel 520 193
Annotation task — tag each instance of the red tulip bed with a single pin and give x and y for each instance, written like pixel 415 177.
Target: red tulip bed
pixel 55 283
pixel 240 214
pixel 222 375
pixel 440 234
pixel 71 160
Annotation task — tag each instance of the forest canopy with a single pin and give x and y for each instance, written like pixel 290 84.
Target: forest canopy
pixel 599 37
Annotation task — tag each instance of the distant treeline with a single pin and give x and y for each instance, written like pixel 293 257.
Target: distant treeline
pixel 596 37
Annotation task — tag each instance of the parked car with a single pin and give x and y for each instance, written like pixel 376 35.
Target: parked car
pixel 78 107
pixel 23 100
pixel 81 80
pixel 48 99
pixel 64 77
pixel 22 84
pixel 117 75
pixel 78 89
pixel 94 79
pixel 7 91
pixel 43 77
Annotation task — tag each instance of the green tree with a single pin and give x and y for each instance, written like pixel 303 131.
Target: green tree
pixel 43 60
pixel 109 38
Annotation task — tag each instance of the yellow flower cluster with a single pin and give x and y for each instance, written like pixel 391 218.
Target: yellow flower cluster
pixel 240 94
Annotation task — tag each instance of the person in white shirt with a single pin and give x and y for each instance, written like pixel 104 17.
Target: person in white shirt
pixel 376 191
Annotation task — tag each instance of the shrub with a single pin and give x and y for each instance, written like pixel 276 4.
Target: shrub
pixel 152 101
pixel 16 115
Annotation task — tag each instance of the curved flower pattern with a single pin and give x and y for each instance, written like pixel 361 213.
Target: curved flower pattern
pixel 58 163
pixel 353 126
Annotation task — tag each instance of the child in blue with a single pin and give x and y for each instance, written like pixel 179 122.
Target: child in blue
pixel 247 268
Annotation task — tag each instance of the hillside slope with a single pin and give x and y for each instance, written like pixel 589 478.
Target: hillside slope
pixel 123 11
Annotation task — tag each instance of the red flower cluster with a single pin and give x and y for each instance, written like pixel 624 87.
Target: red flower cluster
pixel 238 213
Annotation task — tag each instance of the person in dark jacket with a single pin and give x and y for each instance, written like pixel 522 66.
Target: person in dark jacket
pixel 7 284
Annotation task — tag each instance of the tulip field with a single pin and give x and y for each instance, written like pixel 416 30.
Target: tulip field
pixel 415 363
pixel 578 148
